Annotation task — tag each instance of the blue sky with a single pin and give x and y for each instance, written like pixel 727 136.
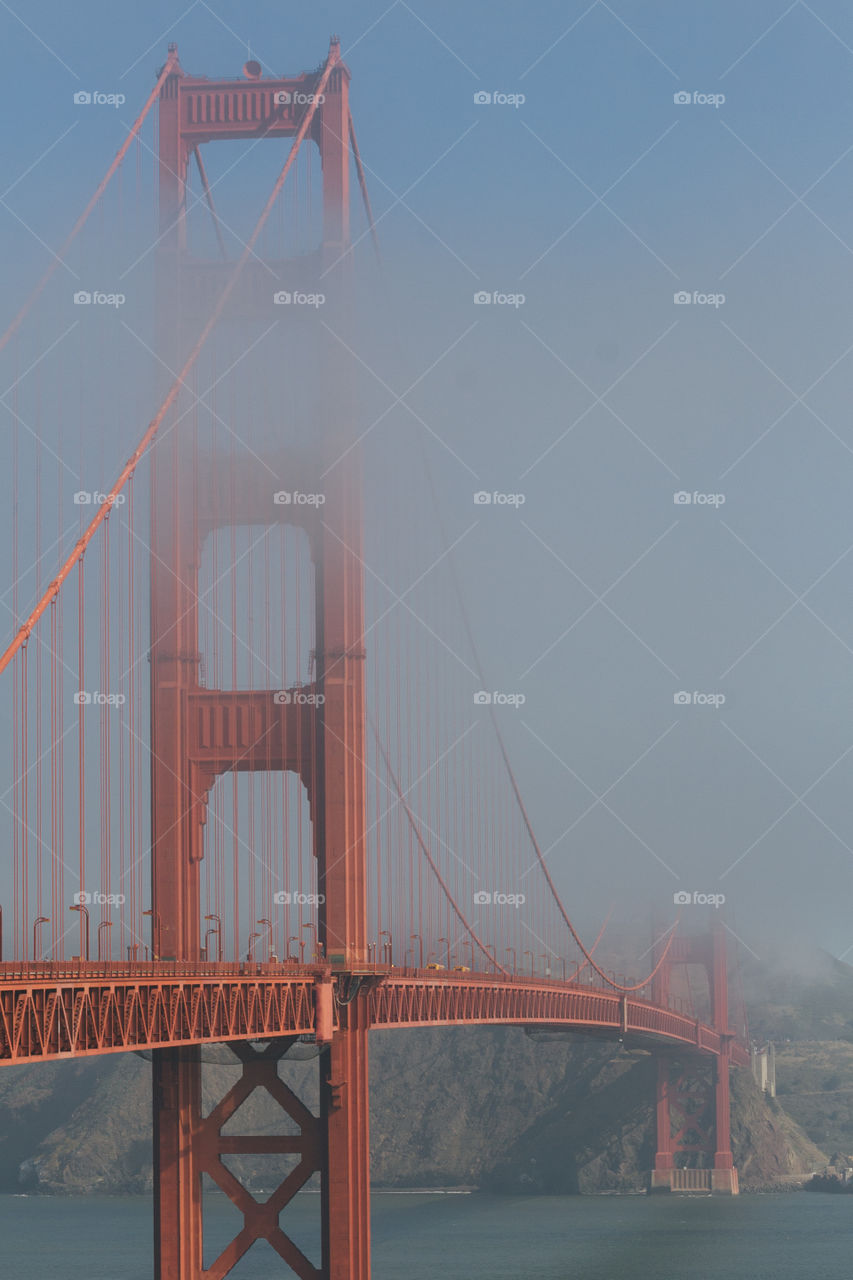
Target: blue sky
pixel 599 197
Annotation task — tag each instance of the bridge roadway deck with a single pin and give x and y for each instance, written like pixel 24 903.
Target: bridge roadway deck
pixel 54 1010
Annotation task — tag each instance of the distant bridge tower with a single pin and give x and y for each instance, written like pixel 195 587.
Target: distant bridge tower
pixel 199 732
pixel 692 1105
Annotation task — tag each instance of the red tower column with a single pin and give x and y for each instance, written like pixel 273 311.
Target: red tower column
pixel 661 1177
pixel 323 742
pixel 688 1099
pixel 175 830
pixel 341 849
pixel 724 1178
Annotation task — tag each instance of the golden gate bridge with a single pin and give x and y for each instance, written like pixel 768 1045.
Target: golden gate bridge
pixel 257 788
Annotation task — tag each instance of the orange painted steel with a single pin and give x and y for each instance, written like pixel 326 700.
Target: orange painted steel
pixel 52 1010
pixel 209 1145
pixel 92 1013
pixel 693 1108
pixel 199 733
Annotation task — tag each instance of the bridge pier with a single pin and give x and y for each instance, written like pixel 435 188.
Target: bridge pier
pixel 692 1120
pixel 692 1100
pixel 346 1182
pixel 335 1145
pixel 176 1081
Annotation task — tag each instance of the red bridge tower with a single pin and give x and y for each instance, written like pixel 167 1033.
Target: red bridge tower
pixel 693 1126
pixel 198 733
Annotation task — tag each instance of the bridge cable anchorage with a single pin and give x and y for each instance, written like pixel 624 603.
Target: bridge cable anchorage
pixel 424 849
pixel 171 63
pixel 172 395
pixel 514 783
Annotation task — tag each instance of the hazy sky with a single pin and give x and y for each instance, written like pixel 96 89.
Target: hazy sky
pixel 599 197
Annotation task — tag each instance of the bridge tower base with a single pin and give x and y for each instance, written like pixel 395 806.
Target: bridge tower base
pixel 333 1145
pixel 692 1102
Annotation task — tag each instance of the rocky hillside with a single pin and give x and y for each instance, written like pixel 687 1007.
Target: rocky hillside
pixel 474 1107
pixel 484 1106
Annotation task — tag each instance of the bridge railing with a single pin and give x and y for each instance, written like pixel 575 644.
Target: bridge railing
pixel 99 970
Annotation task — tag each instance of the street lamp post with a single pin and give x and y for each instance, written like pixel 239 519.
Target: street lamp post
pixel 217 930
pixel 514 959
pixel 387 946
pixel 105 924
pixel 416 937
pixel 38 920
pixel 270 926
pixel 84 915
pixel 309 924
pixel 449 961
pixel 301 944
pixel 530 953
pixel 466 942
pixel 250 955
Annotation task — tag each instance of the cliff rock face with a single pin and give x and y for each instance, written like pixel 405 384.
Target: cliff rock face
pixel 465 1107
pixel 599 1134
